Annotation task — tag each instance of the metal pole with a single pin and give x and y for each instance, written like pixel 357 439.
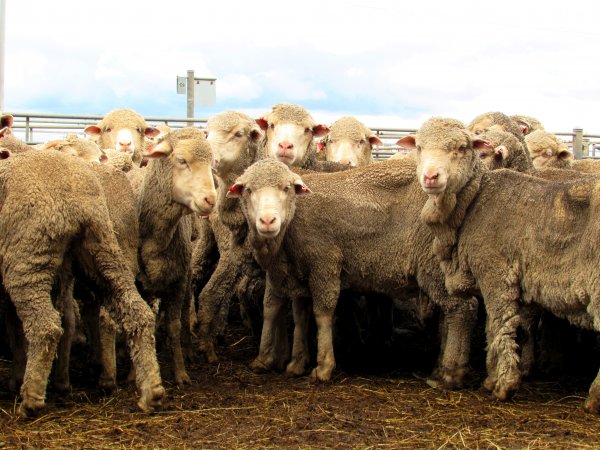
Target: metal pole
pixel 577 142
pixel 190 95
pixel 2 36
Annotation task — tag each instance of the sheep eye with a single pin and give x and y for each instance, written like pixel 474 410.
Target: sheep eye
pixel 272 126
pixel 182 161
pixel 462 148
pixel 248 190
pixel 482 156
pixel 286 189
pixel 307 130
pixel 418 148
pixel 108 130
pixel 362 142
pixel 238 134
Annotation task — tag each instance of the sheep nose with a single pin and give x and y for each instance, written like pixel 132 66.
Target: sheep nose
pixel 285 145
pixel 345 161
pixel 431 175
pixel 268 220
pixel 210 199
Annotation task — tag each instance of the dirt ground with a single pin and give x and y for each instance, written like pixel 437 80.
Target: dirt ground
pixel 228 406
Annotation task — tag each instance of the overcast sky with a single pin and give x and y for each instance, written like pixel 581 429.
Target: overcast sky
pixel 388 62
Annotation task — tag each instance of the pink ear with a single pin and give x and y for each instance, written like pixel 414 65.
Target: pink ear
pixel 6 121
pixel 320 146
pixel 151 132
pixel 235 191
pixel 4 153
pixel 93 130
pixel 565 154
pixel 4 131
pixel 407 142
pixel 524 129
pixel 320 130
pixel 374 140
pixel 480 144
pixel 262 123
pixel 301 188
pixel 256 134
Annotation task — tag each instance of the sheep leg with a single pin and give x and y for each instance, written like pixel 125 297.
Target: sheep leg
pixel 457 325
pixel 530 316
pixel 300 353
pixel 173 307
pixel 273 316
pixel 186 327
pixel 216 296
pixel 130 310
pixel 41 327
pixel 325 356
pixel 502 360
pixel 66 306
pixel 107 332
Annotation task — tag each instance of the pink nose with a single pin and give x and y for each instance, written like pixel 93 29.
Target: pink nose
pixel 268 220
pixel 124 144
pixel 285 145
pixel 345 161
pixel 210 199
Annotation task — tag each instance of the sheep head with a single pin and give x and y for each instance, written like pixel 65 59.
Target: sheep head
pixel 349 142
pixel 267 191
pixel 190 157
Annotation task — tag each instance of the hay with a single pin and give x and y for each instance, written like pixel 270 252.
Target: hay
pixel 230 407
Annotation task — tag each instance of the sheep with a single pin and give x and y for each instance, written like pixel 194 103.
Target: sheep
pixel 525 260
pixel 176 182
pixel 495 120
pixel 75 146
pixel 504 151
pixel 309 248
pixel 289 137
pixel 528 124
pixel 235 139
pixel 124 130
pixel 349 142
pixel 70 222
pixel 547 150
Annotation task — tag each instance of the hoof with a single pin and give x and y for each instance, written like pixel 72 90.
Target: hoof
pixel 31 407
pixel 434 383
pixel 257 366
pixel 591 405
pixel 319 375
pixel 489 384
pixel 183 379
pixel 294 369
pixel 152 399
pixel 107 384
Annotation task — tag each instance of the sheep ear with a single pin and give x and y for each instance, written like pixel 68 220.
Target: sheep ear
pixel 408 142
pixel 501 151
pixel 262 123
pixel 374 140
pixel 93 130
pixel 300 187
pixel 205 133
pixel 564 155
pixel 6 121
pixel 256 133
pixel 235 191
pixel 524 129
pixel 4 131
pixel 4 153
pixel 160 150
pixel 151 132
pixel 320 130
pixel 481 144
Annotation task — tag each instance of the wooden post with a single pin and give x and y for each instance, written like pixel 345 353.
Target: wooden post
pixel 577 142
pixel 190 96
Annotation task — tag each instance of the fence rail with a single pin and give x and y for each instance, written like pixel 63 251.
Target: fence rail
pixel 35 128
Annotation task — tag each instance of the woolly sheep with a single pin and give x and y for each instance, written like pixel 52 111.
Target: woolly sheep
pixel 522 261
pixel 528 124
pixel 235 139
pixel 309 248
pixel 547 150
pixel 349 142
pixel 75 146
pixel 29 266
pixel 176 182
pixel 124 130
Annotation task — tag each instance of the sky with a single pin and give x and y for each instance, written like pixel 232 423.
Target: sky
pixel 390 63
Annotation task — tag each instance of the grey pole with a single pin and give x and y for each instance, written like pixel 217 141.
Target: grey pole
pixel 190 95
pixel 2 35
pixel 577 143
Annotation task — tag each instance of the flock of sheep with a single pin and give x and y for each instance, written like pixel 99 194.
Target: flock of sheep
pixel 297 210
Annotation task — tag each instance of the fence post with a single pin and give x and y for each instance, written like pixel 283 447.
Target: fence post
pixel 190 96
pixel 577 142
pixel 27 131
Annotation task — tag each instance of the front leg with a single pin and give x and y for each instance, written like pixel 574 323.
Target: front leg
pixel 273 316
pixel 300 353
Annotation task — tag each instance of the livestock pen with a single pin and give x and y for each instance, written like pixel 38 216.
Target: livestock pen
pixel 378 397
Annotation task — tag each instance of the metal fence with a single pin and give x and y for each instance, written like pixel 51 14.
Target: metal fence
pixel 35 128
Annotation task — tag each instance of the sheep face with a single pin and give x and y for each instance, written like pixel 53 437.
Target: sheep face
pixel 74 146
pixel 548 151
pixel 190 157
pixel 123 130
pixel 230 143
pixel 6 122
pixel 445 154
pixel 349 142
pixel 497 149
pixel 268 191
